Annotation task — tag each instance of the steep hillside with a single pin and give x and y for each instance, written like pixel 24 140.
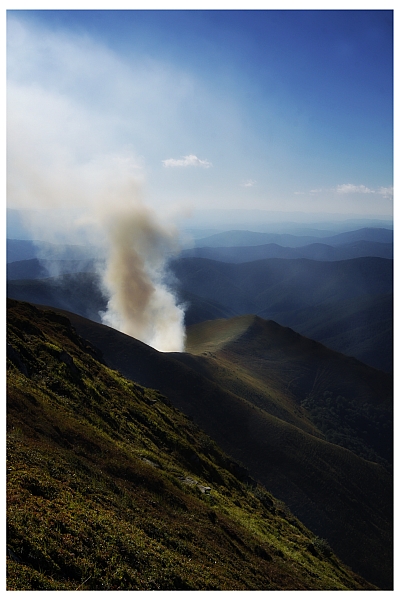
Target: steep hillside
pixel 109 487
pixel 269 357
pixel 262 424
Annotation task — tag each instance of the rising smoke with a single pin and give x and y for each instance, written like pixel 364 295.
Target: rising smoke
pixel 70 166
pixel 136 246
pixel 141 304
pixel 101 198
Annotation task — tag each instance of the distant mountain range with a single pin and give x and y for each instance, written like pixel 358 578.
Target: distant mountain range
pixel 316 251
pixel 18 250
pixel 34 268
pixel 252 238
pixel 346 305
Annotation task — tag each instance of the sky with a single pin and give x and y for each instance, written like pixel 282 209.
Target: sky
pixel 278 110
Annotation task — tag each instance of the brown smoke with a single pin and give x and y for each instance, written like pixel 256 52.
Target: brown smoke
pixel 70 166
pixel 140 303
pixel 106 196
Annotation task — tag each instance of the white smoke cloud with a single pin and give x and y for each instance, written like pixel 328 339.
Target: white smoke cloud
pixel 249 183
pixel 187 161
pixel 65 161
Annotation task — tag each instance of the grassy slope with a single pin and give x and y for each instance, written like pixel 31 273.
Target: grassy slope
pixel 270 357
pixel 98 494
pixel 283 372
pixel 336 493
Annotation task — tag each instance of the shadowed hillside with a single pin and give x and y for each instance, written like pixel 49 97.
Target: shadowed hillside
pixel 109 487
pixel 270 357
pixel 336 493
pixel 338 302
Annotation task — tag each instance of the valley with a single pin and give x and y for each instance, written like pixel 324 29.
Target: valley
pixel 346 305
pixel 199 300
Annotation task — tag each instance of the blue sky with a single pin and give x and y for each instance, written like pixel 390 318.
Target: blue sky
pixel 275 110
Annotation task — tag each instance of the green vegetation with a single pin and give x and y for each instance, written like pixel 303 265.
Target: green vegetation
pixel 246 395
pixel 109 487
pixel 345 497
pixel 365 430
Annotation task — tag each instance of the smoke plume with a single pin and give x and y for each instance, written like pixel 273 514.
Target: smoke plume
pixel 71 166
pixel 135 245
pixel 105 202
pixel 140 303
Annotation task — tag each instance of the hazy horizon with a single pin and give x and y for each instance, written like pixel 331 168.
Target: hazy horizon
pixel 128 129
pixel 278 110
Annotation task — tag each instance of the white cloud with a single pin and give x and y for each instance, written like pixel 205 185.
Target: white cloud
pixel 350 188
pixel 249 183
pixel 187 161
pixel 386 192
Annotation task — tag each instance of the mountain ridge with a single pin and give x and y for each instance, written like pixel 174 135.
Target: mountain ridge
pixel 110 487
pixel 294 292
pixel 315 251
pixel 239 237
pixel 253 437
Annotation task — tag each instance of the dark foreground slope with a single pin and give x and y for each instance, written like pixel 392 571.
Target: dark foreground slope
pixel 336 493
pixel 109 487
